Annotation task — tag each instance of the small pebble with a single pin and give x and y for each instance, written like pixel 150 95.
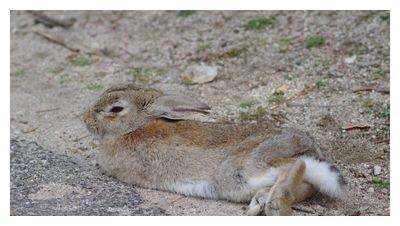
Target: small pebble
pixel 371 190
pixel 198 74
pixel 350 60
pixel 377 170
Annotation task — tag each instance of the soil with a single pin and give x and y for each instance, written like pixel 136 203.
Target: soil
pixel 326 72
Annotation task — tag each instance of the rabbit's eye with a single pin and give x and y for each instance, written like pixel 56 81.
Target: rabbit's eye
pixel 116 109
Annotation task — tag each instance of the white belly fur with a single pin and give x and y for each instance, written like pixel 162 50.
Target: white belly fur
pixel 266 179
pixel 207 190
pixel 200 189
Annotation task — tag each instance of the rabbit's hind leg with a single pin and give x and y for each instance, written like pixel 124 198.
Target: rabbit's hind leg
pixel 288 189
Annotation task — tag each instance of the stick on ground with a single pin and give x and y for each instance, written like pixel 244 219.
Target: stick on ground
pixel 51 22
pixel 57 41
pixel 369 89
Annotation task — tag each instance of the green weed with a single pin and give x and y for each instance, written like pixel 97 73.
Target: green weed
pixel 319 84
pixel 19 72
pixel 381 183
pixel 247 104
pixel 277 97
pixel 94 87
pixel 315 41
pixel 252 115
pixel 79 60
pixel 232 53
pixel 184 13
pixel 260 23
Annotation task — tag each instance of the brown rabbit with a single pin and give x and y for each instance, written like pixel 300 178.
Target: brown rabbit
pixel 147 138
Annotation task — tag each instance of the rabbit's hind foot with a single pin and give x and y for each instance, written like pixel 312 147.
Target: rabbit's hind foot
pixel 269 203
pixel 288 189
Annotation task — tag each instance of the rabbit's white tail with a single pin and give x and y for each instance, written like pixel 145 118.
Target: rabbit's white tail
pixel 324 176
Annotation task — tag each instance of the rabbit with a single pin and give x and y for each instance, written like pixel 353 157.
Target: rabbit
pixel 148 138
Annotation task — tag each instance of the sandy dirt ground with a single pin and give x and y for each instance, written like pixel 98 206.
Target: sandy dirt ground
pixel 323 72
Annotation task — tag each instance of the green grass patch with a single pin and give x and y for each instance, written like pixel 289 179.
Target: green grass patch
pixel 184 13
pixel 385 17
pixel 79 60
pixel 385 113
pixel 380 183
pixel 94 87
pixel 277 97
pixel 232 53
pixel 315 41
pixel 383 131
pixel 247 104
pixel 260 23
pixel 319 84
pixel 19 72
pixel 252 115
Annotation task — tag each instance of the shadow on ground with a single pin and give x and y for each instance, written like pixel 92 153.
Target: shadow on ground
pixel 45 183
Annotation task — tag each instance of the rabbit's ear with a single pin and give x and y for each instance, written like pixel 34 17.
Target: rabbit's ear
pixel 176 107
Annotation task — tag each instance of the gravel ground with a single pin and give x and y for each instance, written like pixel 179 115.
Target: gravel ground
pixel 46 183
pixel 300 68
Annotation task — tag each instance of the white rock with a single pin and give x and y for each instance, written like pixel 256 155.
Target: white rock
pixel 371 190
pixel 350 60
pixel 198 74
pixel 14 30
pixel 377 170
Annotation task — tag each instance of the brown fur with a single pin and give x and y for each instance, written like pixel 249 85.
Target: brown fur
pixel 277 162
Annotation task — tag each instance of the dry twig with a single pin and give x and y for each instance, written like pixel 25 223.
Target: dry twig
pixel 51 22
pixel 352 127
pixel 382 140
pixel 57 41
pixel 370 88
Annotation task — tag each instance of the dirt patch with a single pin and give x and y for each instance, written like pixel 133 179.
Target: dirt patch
pixel 47 183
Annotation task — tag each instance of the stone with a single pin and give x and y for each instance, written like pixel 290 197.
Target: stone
pixel 377 170
pixel 199 74
pixel 350 60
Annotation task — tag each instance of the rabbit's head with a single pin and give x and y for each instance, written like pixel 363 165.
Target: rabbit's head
pixel 125 108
